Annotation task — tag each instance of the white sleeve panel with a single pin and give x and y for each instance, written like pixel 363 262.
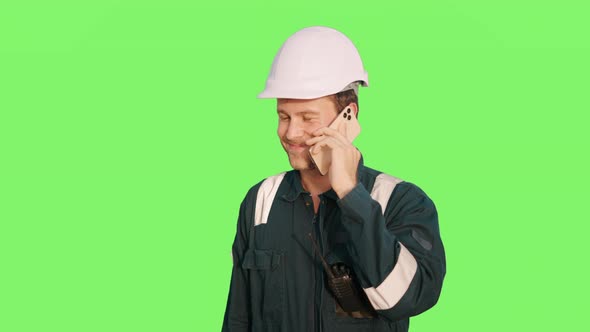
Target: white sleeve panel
pixel 391 290
pixel 383 188
pixel 395 285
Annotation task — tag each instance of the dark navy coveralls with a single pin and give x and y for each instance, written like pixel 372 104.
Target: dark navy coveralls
pixel 394 248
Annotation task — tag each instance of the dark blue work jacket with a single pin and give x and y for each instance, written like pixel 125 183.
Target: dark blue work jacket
pixel 386 230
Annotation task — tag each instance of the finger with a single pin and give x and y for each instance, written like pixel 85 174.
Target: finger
pixel 328 142
pixel 326 131
pixel 314 140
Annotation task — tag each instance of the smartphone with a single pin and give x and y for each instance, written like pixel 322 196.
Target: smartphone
pixel 347 124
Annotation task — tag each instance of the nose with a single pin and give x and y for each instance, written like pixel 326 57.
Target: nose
pixel 295 131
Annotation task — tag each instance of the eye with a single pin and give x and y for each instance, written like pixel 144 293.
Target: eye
pixel 306 119
pixel 283 118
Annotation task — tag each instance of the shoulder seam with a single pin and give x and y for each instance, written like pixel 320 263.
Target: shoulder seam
pixel 265 197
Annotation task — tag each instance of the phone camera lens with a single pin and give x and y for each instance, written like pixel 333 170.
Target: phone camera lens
pixel 344 115
pixel 349 117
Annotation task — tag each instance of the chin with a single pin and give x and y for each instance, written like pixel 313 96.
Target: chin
pixel 301 163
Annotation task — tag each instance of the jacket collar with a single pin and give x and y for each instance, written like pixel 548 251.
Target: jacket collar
pixel 295 188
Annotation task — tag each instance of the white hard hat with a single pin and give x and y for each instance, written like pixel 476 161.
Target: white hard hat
pixel 315 62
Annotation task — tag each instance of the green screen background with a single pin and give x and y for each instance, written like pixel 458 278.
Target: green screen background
pixel 130 132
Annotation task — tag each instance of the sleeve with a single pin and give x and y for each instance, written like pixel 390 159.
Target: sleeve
pixel 237 312
pixel 398 255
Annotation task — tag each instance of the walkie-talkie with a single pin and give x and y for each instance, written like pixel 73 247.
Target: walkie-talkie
pixel 351 298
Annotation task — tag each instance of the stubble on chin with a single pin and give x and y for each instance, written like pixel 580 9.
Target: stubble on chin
pixel 301 162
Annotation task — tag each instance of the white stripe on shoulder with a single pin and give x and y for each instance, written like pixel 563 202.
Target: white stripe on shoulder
pixel 396 284
pixel 265 196
pixel 383 188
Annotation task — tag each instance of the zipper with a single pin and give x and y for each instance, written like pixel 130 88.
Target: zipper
pixel 321 212
pixel 318 273
pixel 313 315
pixel 317 276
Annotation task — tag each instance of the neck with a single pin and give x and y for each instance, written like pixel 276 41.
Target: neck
pixel 314 182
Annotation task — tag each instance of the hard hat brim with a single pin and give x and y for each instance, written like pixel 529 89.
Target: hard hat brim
pixel 301 91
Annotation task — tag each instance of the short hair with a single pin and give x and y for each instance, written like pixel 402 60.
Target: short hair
pixel 344 98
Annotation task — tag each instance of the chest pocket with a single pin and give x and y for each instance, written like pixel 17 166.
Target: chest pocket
pixel 267 283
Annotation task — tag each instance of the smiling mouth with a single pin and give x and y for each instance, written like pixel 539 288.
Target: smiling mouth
pixel 296 147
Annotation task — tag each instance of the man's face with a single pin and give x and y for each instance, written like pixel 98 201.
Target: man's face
pixel 298 119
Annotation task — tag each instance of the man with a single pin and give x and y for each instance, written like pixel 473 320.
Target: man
pixel 377 232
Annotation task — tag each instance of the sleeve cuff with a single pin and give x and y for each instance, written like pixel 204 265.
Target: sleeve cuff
pixel 356 204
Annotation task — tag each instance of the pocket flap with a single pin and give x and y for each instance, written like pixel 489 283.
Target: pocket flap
pixel 257 259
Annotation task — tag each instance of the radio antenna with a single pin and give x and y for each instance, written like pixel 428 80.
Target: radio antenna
pixel 317 250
